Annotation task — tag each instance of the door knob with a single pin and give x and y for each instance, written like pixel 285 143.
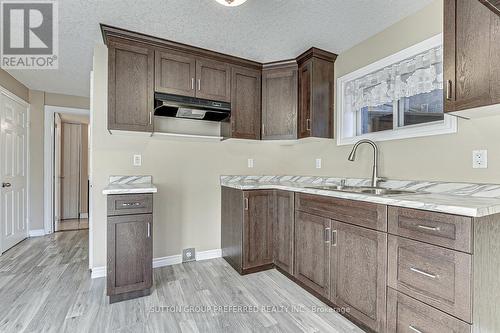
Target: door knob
pixel 6 184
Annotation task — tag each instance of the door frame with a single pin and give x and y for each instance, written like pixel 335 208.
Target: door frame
pixel 48 160
pixel 25 104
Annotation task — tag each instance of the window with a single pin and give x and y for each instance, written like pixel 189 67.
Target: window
pixel 398 97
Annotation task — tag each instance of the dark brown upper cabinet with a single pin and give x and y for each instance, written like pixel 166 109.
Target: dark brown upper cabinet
pixel 186 75
pixel 359 258
pixel 130 85
pixel 279 101
pixel 213 80
pixel 245 103
pixel 471 56
pixel 175 73
pixel 316 95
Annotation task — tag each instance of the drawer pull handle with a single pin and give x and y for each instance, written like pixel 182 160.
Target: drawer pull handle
pixel 416 270
pixel 327 235
pixel 426 227
pixel 149 230
pixel 414 329
pixel 130 204
pixel 246 203
pixel 334 237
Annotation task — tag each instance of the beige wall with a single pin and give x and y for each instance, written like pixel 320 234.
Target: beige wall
pixel 187 207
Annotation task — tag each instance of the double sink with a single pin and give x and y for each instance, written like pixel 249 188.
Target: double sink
pixel 380 191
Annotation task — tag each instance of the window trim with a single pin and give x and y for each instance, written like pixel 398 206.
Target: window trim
pixel 447 126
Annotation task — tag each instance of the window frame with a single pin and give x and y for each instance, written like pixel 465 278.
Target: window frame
pixel 347 123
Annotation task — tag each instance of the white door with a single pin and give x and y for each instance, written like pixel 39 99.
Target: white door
pixel 13 172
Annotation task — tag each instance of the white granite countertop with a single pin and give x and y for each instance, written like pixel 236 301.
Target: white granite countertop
pixel 475 200
pixel 130 185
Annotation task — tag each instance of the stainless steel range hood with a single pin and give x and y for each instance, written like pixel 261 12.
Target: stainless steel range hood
pixel 169 105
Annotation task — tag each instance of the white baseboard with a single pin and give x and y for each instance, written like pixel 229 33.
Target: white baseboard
pixel 37 233
pixel 167 261
pixel 98 272
pixel 84 215
pixel 210 254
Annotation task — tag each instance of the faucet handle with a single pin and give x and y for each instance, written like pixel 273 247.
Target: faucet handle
pixel 343 182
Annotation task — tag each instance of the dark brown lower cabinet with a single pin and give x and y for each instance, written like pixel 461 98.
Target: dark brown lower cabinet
pixel 258 229
pixel 312 252
pixel 358 273
pixel 130 256
pixel 283 230
pixel 406 314
pixel 247 225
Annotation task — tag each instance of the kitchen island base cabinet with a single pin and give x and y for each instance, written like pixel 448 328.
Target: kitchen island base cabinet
pixel 358 273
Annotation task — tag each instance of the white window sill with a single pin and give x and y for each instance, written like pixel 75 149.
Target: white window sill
pixel 449 126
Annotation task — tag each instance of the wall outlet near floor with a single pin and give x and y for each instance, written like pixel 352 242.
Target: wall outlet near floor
pixel 250 162
pixel 188 255
pixel 480 159
pixel 137 160
pixel 318 163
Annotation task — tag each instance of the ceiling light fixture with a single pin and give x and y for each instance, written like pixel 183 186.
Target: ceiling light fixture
pixel 231 3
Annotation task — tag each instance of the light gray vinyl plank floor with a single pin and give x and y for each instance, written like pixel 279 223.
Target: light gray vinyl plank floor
pixel 45 286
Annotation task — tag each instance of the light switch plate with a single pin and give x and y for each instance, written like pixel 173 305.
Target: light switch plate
pixel 250 162
pixel 318 163
pixel 137 160
pixel 480 159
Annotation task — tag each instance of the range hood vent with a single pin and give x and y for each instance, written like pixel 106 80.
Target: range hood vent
pixel 169 105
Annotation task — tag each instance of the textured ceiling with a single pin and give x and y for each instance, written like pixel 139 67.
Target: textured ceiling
pixel 261 30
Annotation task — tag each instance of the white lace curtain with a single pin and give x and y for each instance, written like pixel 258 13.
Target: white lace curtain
pixel 422 73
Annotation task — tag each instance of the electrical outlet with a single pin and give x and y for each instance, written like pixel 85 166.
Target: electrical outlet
pixel 318 163
pixel 480 159
pixel 188 255
pixel 250 162
pixel 137 160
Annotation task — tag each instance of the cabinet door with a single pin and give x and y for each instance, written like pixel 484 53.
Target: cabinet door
pixel 213 80
pixel 175 73
pixel 232 227
pixel 245 103
pixel 279 103
pixel 283 230
pixel 358 273
pixel 130 86
pixel 130 253
pixel 471 55
pixel 258 228
pixel 305 90
pixel 312 252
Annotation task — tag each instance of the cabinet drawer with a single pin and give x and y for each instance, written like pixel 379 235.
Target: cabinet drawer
pixel 405 314
pixel 437 276
pixel 364 214
pixel 452 231
pixel 127 204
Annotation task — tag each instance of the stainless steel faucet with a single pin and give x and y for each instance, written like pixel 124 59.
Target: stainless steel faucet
pixel 352 156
